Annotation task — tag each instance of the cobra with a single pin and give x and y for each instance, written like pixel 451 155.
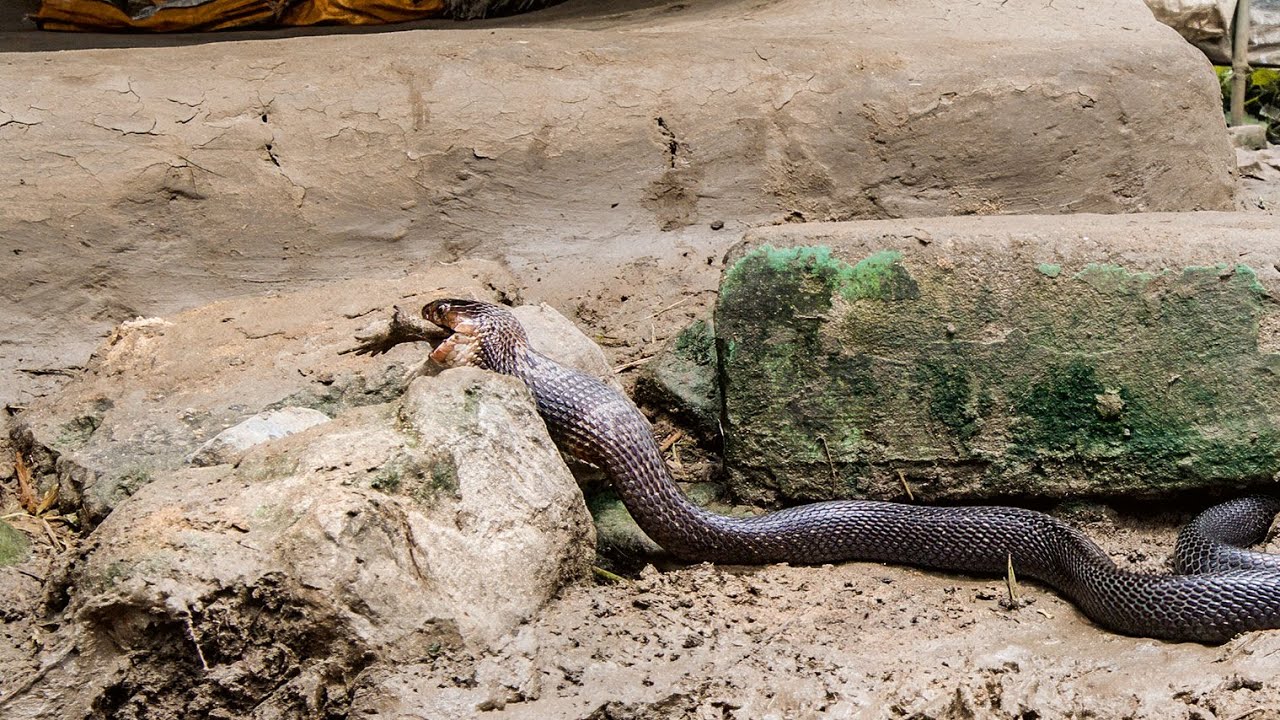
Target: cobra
pixel 1217 591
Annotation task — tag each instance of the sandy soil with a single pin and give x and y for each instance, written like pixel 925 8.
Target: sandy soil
pixel 857 640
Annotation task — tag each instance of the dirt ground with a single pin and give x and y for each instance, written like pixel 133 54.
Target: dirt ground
pixel 858 640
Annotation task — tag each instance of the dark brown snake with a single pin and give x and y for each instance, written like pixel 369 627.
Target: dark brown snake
pixel 1219 590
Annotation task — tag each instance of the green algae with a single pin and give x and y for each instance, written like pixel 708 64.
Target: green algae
pixel 950 395
pixel 424 479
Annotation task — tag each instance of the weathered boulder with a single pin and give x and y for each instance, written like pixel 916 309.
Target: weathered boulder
pixel 555 336
pixel 394 533
pixel 1002 356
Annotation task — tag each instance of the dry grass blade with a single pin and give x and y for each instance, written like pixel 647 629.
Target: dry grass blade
pixel 607 576
pixel 57 544
pixel 26 490
pixel 670 441
pixel 634 363
pixel 831 465
pixel 1011 582
pixel 48 501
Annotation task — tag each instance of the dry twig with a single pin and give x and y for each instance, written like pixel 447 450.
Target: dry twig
pixel 26 490
pixel 634 363
pixel 902 478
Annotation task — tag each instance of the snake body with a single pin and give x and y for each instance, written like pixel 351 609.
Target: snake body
pixel 1220 589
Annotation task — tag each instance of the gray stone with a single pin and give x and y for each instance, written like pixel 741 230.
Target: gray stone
pixel 206 384
pixel 681 380
pixel 229 444
pixel 619 540
pixel 1010 356
pixel 437 524
pixel 1250 137
pixel 555 336
pixel 159 389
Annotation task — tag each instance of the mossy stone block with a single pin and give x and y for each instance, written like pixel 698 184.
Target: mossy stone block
pixel 997 359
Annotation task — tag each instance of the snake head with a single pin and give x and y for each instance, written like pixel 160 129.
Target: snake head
pixel 482 334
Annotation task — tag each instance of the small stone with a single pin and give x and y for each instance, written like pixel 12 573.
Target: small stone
pixel 1253 137
pixel 717 224
pixel 1110 405
pixel 682 378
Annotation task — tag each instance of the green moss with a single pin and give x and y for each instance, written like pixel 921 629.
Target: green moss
pixel 444 475
pixel 780 343
pixel 1062 413
pixel 879 276
pixel 696 343
pixel 74 434
pixel 14 547
pixel 1239 276
pixel 424 479
pixel 1113 278
pixel 386 479
pixel 949 393
pixel 1048 270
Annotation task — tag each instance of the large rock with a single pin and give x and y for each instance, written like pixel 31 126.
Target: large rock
pixel 160 388
pixel 223 168
pixel 1003 356
pixel 163 393
pixel 395 533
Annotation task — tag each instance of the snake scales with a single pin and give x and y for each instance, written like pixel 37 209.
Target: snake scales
pixel 1220 589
